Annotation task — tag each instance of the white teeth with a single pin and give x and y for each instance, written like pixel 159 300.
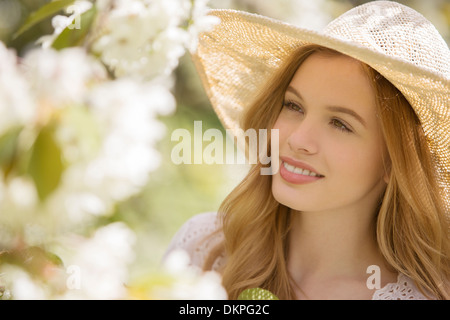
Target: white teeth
pixel 298 170
pixel 304 172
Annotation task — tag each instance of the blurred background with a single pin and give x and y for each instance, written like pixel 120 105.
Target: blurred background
pixel 174 193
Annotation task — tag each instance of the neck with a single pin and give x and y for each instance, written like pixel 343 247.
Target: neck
pixel 332 243
pixel 332 248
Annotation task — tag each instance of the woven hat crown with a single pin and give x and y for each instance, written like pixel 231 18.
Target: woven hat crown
pixel 395 30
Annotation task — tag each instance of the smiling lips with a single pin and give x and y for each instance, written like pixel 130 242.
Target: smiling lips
pixel 296 172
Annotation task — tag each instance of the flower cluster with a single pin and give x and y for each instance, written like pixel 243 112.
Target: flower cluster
pixel 141 38
pixel 181 281
pixel 94 268
pixel 78 135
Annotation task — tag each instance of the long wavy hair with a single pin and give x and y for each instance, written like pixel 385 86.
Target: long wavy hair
pixel 412 227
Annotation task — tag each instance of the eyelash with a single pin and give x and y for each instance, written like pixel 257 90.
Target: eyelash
pixel 336 123
pixel 291 105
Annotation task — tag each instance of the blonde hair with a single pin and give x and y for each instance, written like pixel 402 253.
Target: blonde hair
pixel 412 229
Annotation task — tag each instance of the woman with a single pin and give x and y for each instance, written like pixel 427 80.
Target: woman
pixel 362 112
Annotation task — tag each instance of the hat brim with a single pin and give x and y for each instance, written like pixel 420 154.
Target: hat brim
pixel 236 58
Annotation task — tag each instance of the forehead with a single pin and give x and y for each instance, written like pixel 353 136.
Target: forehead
pixel 328 66
pixel 332 79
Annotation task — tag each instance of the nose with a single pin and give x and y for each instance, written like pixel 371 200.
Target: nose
pixel 304 137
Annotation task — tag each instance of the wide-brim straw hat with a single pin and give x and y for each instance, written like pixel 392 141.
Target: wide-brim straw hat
pixel 237 57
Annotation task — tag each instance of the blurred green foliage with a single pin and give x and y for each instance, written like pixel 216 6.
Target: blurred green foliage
pixel 13 14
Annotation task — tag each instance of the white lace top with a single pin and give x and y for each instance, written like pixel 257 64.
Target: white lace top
pixel 191 237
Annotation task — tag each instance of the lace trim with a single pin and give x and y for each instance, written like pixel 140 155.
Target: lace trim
pixel 191 238
pixel 403 289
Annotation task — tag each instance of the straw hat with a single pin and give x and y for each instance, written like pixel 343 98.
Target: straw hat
pixel 236 58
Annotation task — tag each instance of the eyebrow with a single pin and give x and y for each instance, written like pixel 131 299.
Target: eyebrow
pixel 349 112
pixel 333 108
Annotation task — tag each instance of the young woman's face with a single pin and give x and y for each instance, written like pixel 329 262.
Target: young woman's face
pixel 332 153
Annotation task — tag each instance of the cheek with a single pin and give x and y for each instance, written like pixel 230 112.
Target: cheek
pixel 359 161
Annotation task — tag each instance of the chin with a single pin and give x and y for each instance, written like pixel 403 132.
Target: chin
pixel 287 197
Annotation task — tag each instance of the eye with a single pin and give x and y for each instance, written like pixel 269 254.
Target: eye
pixel 340 125
pixel 292 105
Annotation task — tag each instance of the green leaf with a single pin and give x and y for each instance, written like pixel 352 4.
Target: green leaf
pixel 257 294
pixel 46 165
pixel 32 258
pixel 75 36
pixel 41 14
pixel 8 149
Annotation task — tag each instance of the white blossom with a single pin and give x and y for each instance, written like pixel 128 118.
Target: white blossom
pixel 106 128
pixel 20 285
pixel 123 116
pixel 61 78
pixel 201 22
pixel 107 131
pixel 102 263
pixel 18 206
pixel 190 283
pixel 143 38
pixel 16 105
